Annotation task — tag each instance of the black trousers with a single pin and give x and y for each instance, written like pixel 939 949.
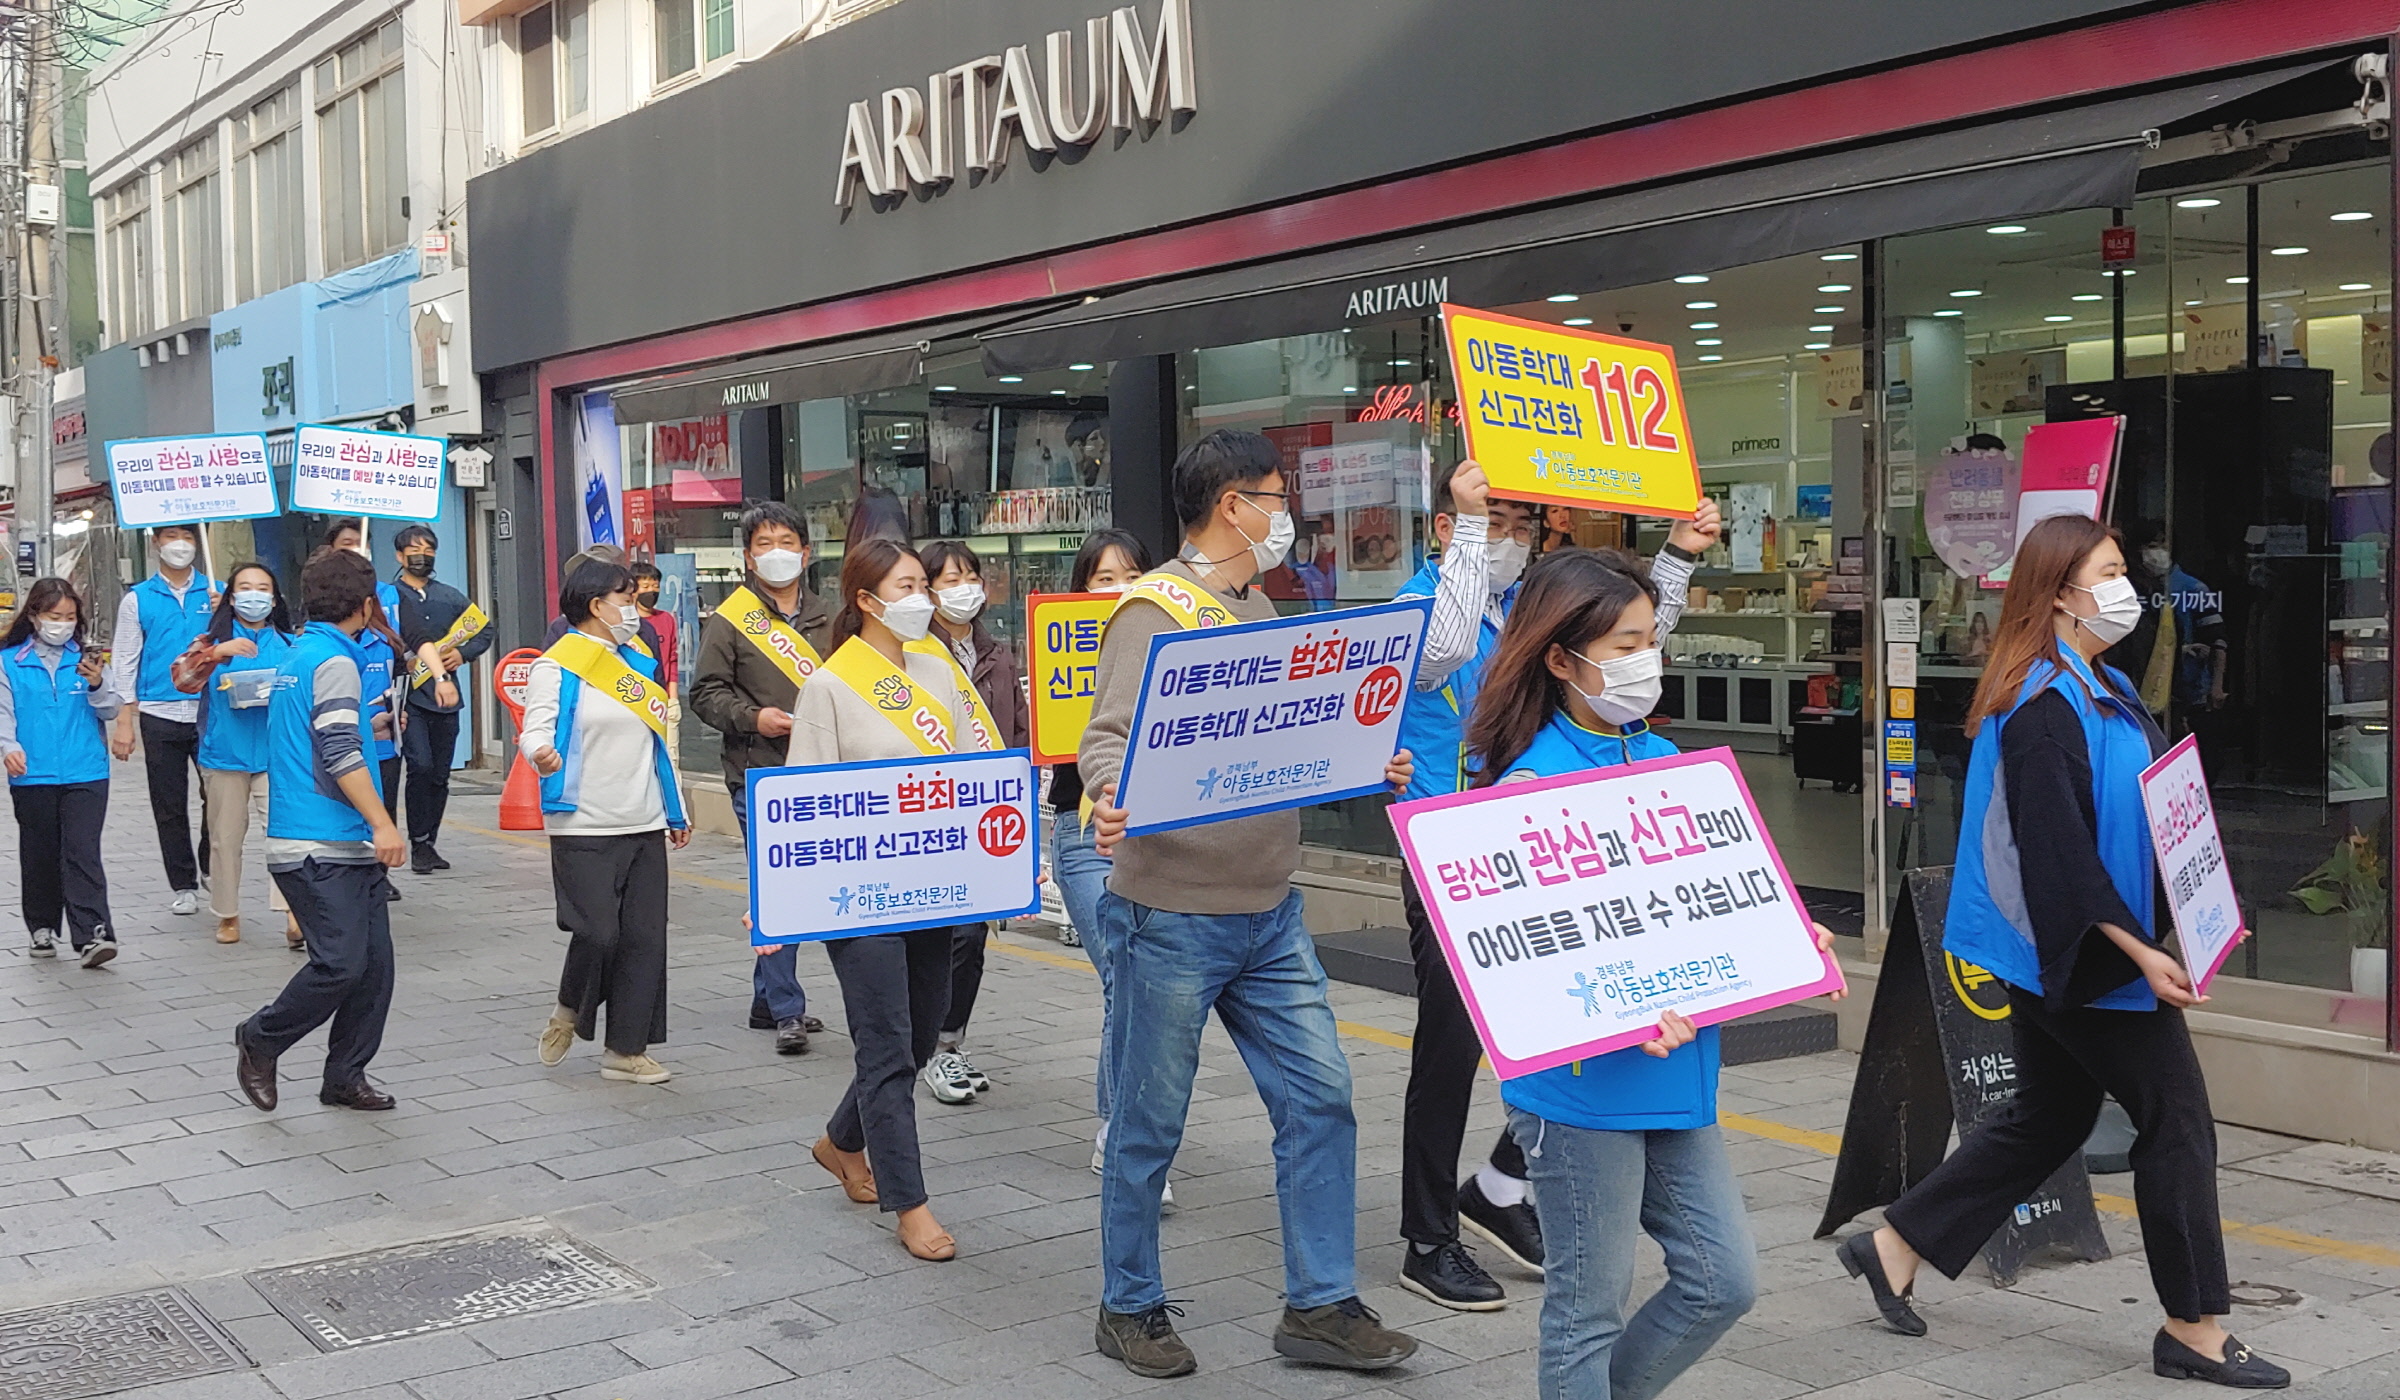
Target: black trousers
pixel 428 744
pixel 170 755
pixel 58 850
pixel 612 897
pixel 2065 1061
pixel 895 991
pixel 389 770
pixel 966 975
pixel 345 912
pixel 1442 1060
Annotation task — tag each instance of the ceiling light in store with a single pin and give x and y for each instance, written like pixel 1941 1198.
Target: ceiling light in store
pixel 2085 296
pixel 1829 310
pixel 1081 367
pixel 2350 216
pixel 1058 393
pixel 1820 330
pixel 1708 340
pixel 1831 287
pixel 1704 325
pixel 1837 257
pixel 2058 318
pixel 1967 292
pixel 2358 286
pixel 1699 306
pixel 2122 272
pixel 1818 345
pixel 1691 279
pixel 1949 311
pixel 945 388
pixel 2006 228
pixel 1349 388
pixel 2195 301
pixel 1564 298
pixel 1576 321
pixel 1401 363
pixel 2198 202
pixel 2289 250
pixel 2237 281
pixel 1012 379
pixel 1710 359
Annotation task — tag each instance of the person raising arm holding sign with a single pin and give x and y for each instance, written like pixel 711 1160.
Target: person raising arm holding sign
pixel 2095 1004
pixel 1204 917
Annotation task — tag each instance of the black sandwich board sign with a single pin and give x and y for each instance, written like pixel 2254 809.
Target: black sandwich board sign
pixel 1938 1052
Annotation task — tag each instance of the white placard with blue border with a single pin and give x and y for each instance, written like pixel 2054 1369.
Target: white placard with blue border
pixel 188 480
pixel 1261 716
pixel 850 849
pixel 346 471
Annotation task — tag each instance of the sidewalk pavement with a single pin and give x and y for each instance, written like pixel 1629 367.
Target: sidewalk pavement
pixel 136 1163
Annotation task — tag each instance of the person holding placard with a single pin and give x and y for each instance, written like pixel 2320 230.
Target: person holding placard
pixel 2062 909
pixel 596 732
pixel 231 667
pixel 156 623
pixel 956 574
pixel 1485 542
pixel 385 715
pixel 1219 926
pixel 876 697
pixel 1625 1143
pixel 444 632
pixel 756 650
pixel 55 705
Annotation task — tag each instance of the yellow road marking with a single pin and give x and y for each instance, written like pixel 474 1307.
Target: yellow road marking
pixel 2271 1236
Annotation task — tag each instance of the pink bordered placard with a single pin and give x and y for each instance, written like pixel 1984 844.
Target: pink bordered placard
pixel 1512 957
pixel 2205 949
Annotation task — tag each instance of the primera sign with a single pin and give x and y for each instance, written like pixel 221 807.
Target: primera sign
pixel 1118 79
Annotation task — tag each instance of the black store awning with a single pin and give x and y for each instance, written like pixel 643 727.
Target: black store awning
pixel 2081 158
pixel 859 365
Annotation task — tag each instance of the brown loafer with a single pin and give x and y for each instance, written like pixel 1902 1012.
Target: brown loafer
pixel 361 1095
pixel 254 1072
pixel 924 1237
pixel 229 930
pixel 849 1168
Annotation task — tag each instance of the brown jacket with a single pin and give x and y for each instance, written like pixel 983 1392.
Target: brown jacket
pixel 733 680
pixel 997 680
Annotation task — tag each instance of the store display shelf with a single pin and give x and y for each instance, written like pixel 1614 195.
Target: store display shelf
pixel 2341 795
pixel 2360 707
pixel 2359 624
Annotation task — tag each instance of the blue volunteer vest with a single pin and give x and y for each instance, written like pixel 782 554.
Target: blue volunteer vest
pixel 168 627
pixel 231 740
pixel 561 790
pixel 64 741
pixel 1987 923
pixel 304 804
pixel 1627 1090
pixel 1433 724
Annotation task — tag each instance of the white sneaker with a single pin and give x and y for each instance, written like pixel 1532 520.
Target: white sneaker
pixel 945 1074
pixel 185 902
pixel 45 943
pixel 975 1077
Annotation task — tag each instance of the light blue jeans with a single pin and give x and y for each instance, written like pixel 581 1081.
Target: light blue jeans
pixel 1595 1190
pixel 1082 875
pixel 1260 973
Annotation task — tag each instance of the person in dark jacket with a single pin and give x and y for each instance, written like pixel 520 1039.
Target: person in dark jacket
pixel 2062 909
pixel 430 614
pixel 957 575
pixel 755 650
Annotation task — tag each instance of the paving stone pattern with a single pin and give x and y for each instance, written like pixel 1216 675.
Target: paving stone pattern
pixel 133 1164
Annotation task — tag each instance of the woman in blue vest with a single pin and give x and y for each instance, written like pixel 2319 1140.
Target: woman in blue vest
pixel 54 713
pixel 2095 1004
pixel 595 726
pixel 1627 1143
pixel 231 667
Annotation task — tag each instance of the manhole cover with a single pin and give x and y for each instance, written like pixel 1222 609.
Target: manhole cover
pixel 106 1345
pixel 2264 1295
pixel 426 1287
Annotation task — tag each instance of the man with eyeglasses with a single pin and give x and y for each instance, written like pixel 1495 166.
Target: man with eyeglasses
pixel 1485 543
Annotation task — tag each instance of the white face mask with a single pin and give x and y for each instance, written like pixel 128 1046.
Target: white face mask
pixel 1281 532
pixel 629 621
pixel 2157 561
pixel 1504 562
pixel 1110 588
pixel 1630 686
pixel 910 617
pixel 2120 610
pixel 960 602
pixel 54 632
pixel 779 566
pixel 178 554
pixel 253 606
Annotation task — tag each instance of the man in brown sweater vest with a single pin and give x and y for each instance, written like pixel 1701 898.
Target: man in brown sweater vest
pixel 1206 917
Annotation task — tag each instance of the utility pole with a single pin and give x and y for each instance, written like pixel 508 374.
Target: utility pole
pixel 41 343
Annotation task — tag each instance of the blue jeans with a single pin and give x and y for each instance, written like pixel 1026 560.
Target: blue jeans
pixel 1593 1188
pixel 775 977
pixel 1082 875
pixel 1260 973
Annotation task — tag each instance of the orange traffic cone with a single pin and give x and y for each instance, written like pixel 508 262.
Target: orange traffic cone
pixel 521 798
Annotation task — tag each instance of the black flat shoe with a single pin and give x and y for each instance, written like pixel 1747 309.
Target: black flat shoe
pixel 2242 1368
pixel 1859 1257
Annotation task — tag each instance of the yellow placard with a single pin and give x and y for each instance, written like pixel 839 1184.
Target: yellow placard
pixel 1571 418
pixel 1062 648
pixel 1903 702
pixel 1900 749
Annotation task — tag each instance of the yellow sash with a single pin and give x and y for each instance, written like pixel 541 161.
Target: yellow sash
pixel 979 720
pixel 596 664
pixel 784 648
pixel 1188 603
pixel 461 632
pixel 894 694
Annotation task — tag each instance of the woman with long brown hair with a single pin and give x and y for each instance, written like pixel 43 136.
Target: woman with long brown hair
pixel 2059 907
pixel 1624 1143
pixel 895 986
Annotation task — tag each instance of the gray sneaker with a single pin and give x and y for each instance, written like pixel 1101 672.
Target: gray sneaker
pixel 1146 1342
pixel 1347 1334
pixel 45 943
